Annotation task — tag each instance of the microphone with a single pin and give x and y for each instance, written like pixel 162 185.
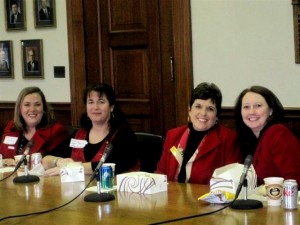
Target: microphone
pixel 245 203
pixel 28 148
pixel 100 197
pixel 247 165
pixel 26 178
pixel 107 151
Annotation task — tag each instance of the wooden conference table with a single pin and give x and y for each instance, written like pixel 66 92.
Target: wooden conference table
pixel 128 208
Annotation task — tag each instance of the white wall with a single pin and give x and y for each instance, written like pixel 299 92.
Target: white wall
pixel 239 43
pixel 236 44
pixel 55 49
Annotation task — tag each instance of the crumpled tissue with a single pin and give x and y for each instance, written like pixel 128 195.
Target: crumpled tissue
pixel 224 183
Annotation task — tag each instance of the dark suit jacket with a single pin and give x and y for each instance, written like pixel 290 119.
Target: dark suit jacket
pixel 35 68
pixel 19 18
pixel 43 15
pixel 4 66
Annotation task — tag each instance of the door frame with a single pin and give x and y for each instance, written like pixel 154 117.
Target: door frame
pixel 182 38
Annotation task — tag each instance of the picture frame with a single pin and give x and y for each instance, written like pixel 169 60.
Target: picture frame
pixel 15 12
pixel 32 58
pixel 44 13
pixel 6 60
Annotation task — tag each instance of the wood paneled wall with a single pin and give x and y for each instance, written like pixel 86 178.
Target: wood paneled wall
pixel 63 115
pixel 292 119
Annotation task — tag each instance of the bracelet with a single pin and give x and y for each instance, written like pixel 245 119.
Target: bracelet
pixel 56 160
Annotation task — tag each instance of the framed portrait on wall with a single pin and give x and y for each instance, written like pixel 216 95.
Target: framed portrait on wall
pixel 6 60
pixel 44 13
pixel 15 14
pixel 32 58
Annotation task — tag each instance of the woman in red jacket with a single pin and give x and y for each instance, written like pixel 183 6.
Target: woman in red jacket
pixel 33 121
pixel 275 149
pixel 192 152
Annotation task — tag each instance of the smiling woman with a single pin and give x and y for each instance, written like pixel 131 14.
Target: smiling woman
pixel 192 152
pixel 102 124
pixel 261 133
pixel 33 121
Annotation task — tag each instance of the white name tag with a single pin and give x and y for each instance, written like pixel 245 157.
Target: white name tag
pixel 10 140
pixel 75 143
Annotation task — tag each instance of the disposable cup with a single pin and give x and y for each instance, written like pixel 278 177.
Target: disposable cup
pixel 18 157
pixel 274 190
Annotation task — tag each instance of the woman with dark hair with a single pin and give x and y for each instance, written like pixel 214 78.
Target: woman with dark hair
pixel 192 152
pixel 33 121
pixel 261 133
pixel 102 123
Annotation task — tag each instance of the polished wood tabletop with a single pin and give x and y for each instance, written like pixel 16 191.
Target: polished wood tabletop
pixel 127 208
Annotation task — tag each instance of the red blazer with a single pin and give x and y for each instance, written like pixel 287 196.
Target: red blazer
pixel 45 139
pixel 218 148
pixel 277 154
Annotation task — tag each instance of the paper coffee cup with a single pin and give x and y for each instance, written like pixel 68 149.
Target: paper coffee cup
pixel 274 190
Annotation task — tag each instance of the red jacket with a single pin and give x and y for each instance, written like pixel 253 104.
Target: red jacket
pixel 45 139
pixel 277 154
pixel 218 148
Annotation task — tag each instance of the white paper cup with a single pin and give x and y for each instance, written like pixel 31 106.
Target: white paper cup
pixel 274 190
pixel 18 157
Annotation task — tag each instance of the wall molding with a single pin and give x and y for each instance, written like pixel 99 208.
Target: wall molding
pixel 292 118
pixel 62 112
pixel 296 18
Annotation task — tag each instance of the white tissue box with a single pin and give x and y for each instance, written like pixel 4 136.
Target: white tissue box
pixel 72 172
pixel 142 182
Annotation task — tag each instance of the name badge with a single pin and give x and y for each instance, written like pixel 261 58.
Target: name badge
pixel 177 153
pixel 75 143
pixel 10 140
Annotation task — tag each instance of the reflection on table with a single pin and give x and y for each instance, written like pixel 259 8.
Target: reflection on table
pixel 128 208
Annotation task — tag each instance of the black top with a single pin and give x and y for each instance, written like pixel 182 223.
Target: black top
pixel 124 153
pixel 195 137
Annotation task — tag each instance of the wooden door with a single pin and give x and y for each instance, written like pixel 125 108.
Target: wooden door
pixel 130 44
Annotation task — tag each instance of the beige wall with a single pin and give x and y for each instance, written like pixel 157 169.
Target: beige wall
pixel 236 43
pixel 55 48
pixel 239 43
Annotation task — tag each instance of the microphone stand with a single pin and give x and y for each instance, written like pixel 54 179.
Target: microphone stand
pixel 246 203
pixel 98 197
pixel 26 178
